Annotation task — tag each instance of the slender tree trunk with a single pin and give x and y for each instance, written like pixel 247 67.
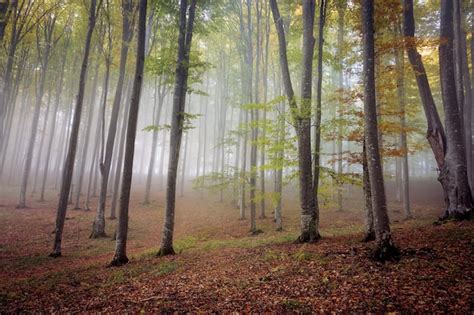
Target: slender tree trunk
pixel 71 154
pixel 385 247
pixel 40 148
pixel 120 256
pixel 119 163
pixel 159 97
pixel 253 112
pixel 435 132
pixel 309 215
pixel 403 161
pixel 318 111
pixel 85 148
pixel 34 127
pixel 98 227
pixel 59 90
pixel 177 120
pixel 341 11
pixel 264 116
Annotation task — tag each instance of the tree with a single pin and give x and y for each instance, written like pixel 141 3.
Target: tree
pixel 385 247
pixel 47 31
pixel 301 116
pixel 71 153
pixel 186 24
pixel 98 227
pixel 120 256
pixel 455 167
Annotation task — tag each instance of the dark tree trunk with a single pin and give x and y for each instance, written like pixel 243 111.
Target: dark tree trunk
pixel 369 215
pixel 455 167
pixel 318 111
pixel 120 256
pixel 385 247
pixel 184 46
pixel 302 117
pixel 71 154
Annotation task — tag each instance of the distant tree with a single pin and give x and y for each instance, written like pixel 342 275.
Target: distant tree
pixel 120 256
pixel 71 152
pixel 45 31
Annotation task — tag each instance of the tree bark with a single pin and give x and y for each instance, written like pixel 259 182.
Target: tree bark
pixel 71 154
pixel 301 117
pixel 120 256
pixel 435 131
pixel 181 84
pixel 385 246
pixel 455 167
pixel 98 227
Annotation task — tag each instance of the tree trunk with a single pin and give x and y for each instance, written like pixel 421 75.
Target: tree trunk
pixel 34 128
pixel 40 148
pixel 385 247
pixel 71 154
pixel 85 148
pixel 177 120
pixel 159 98
pixel 455 167
pixel 55 113
pixel 369 215
pixel 119 162
pixel 98 228
pixel 309 216
pixel 435 132
pixel 120 256
pixel 341 10
pixel 403 161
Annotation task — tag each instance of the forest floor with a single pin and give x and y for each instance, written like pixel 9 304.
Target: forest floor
pixel 221 268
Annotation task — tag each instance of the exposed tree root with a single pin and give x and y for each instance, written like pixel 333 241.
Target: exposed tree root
pixel 118 260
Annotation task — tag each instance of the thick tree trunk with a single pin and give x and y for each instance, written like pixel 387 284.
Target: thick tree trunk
pixel 385 247
pixel 369 215
pixel 120 256
pixel 71 154
pixel 177 120
pixel 455 167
